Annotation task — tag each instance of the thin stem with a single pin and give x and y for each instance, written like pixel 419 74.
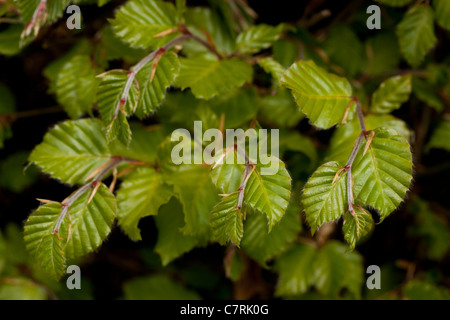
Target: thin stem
pixel 113 163
pixel 351 159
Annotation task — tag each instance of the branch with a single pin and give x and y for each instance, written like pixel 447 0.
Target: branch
pixel 98 174
pixel 249 168
pixel 351 159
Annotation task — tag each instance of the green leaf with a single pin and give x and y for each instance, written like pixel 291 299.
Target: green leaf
pixel 208 78
pixel 228 175
pixel 344 137
pixel 22 289
pixel 138 21
pixel 356 225
pixel 72 150
pixel 261 245
pixel 421 290
pixel 157 287
pixel 395 3
pixel 383 53
pixel 42 243
pixel 10 40
pixel 441 136
pixel 226 220
pixel 383 175
pixel 416 34
pixel 199 20
pixel 90 222
pixel 425 92
pixel 432 229
pixel 323 97
pixel 112 48
pixel 337 46
pixel 296 270
pixel 391 94
pixel 112 112
pixel 172 243
pixel 153 92
pixel 335 268
pixel 323 200
pixel 269 193
pixel 13 175
pixel 257 38
pixel 140 195
pixel 271 66
pixel 442 13
pixel 197 194
pixel 239 106
pixel 143 146
pixel 285 52
pixel 76 86
pixel 280 109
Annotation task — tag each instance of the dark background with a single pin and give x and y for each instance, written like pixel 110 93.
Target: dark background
pixel 120 259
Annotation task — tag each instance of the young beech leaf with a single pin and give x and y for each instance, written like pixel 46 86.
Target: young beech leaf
pixel 226 220
pixel 113 110
pixel 344 137
pixel 210 77
pixel 76 86
pixel 356 226
pixel 262 245
pixel 90 221
pixel 172 243
pixel 269 193
pixel 139 21
pixel 383 175
pixel 153 90
pixel 42 243
pixel 391 94
pixel 441 136
pixel 322 96
pixel 141 194
pixel 416 34
pixel 72 150
pixel 323 200
pixel 258 37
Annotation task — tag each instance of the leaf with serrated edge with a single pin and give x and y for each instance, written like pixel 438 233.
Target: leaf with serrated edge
pixel 391 94
pixel 416 34
pixel 154 91
pixel 138 21
pixel 140 195
pixel 322 200
pixel 72 150
pixel 269 193
pixel 322 96
pixel 383 175
pixel 356 226
pixel 90 223
pixel 258 37
pixel 76 86
pixel 226 220
pixel 208 78
pixel 42 243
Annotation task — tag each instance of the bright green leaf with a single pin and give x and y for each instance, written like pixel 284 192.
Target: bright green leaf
pixel 416 34
pixel 323 97
pixel 356 225
pixel 208 78
pixel 226 220
pixel 72 150
pixel 257 38
pixel 391 94
pixel 140 195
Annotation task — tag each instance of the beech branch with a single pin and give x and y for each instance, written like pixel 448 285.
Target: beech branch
pixel 351 159
pixel 98 175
